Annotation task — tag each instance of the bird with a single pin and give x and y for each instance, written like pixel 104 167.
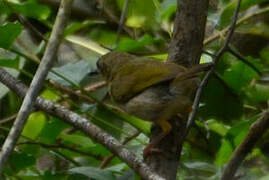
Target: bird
pixel 129 76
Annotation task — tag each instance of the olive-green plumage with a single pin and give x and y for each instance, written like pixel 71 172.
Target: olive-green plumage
pixel 129 75
pixel 129 78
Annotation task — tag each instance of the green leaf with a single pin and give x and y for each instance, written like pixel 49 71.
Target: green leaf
pixel 239 76
pixel 224 153
pixel 11 63
pixel 74 72
pixel 8 33
pixel 219 102
pixel 20 160
pixel 140 14
pixel 227 13
pixel 34 125
pixel 167 9
pixel 31 9
pixel 201 166
pixel 93 172
pixel 108 121
pixel 257 93
pixel 264 53
pixel 76 26
pixel 82 141
pixel 238 132
pixel 51 130
pixel 218 127
pixel 50 95
pixel 132 45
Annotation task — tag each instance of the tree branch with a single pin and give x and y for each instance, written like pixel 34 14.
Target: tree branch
pixel 36 84
pixel 241 58
pixel 211 71
pixel 185 48
pixel 256 131
pixel 239 22
pixel 84 125
pixel 188 34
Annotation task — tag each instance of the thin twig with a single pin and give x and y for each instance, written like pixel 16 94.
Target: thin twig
pixel 95 86
pixel 83 125
pixel 256 131
pixel 240 57
pixel 239 22
pixel 211 71
pixel 113 18
pixel 208 53
pixel 122 20
pixel 109 158
pixel 8 119
pixel 69 91
pixel 37 81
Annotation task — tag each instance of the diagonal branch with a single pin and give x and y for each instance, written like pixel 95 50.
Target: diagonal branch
pixel 241 58
pixel 36 84
pixel 256 131
pixel 84 125
pixel 211 71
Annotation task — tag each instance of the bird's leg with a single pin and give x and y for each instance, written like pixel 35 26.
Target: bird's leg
pixel 166 128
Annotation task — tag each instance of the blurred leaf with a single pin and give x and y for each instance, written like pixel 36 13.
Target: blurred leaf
pixel 95 173
pixel 51 130
pixel 34 125
pixel 238 132
pixel 8 33
pixel 19 161
pixel 264 53
pixel 239 76
pixel 132 45
pixel 258 93
pixel 201 166
pixel 74 72
pixel 167 9
pixel 219 102
pixel 108 120
pixel 224 153
pixel 227 13
pixel 218 127
pixel 76 26
pixel 128 175
pixel 82 141
pixel 141 125
pixel 31 9
pixel 50 95
pixel 11 63
pixel 117 168
pixel 140 14
pixel 88 44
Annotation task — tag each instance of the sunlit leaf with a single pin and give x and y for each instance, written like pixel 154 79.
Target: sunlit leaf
pixel 34 125
pixel 8 33
pixel 78 140
pixel 224 153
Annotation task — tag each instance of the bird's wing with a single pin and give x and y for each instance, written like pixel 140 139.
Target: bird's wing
pixel 136 77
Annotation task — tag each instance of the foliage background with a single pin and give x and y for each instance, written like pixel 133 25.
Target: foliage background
pixel 48 148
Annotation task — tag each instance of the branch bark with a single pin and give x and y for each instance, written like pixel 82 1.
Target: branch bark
pixel 185 48
pixel 36 84
pixel 84 125
pixel 256 131
pixel 186 45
